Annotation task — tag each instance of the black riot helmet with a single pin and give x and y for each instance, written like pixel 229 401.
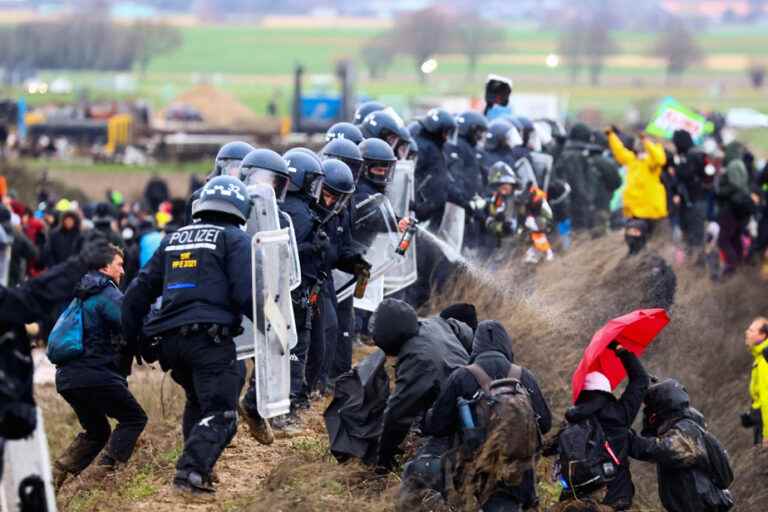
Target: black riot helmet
pixel 223 195
pixel 229 157
pixel 264 166
pixel 471 126
pixel 306 172
pixel 665 400
pixel 439 122
pixel 346 151
pixel 338 186
pixel 389 128
pixel 378 162
pixel 344 131
pixel 501 134
pixel 363 109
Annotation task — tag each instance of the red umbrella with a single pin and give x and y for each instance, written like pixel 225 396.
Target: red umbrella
pixel 633 331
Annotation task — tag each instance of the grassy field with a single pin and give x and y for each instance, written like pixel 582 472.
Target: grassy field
pixel 255 64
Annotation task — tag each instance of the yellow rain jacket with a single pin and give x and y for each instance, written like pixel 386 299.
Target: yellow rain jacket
pixel 645 196
pixel 758 385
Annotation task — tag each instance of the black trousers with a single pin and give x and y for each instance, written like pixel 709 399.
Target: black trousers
pixel 210 375
pixel 342 362
pixel 693 218
pixel 93 406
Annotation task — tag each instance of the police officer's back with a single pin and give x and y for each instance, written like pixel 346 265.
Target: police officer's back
pixel 433 183
pixel 201 273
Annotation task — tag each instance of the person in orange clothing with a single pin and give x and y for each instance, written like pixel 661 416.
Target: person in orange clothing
pixel 645 198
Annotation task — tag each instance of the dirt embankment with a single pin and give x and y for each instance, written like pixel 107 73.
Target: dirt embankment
pixel 551 315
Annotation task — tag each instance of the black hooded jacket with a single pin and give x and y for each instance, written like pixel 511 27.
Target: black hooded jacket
pixel 63 243
pixel 492 351
pixel 434 185
pixel 427 352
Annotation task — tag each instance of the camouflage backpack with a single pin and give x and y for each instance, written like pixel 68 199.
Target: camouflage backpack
pixel 511 435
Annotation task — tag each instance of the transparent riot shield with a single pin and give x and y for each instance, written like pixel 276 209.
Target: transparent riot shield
pixel 266 217
pixel 375 229
pixel 542 168
pixel 400 194
pixel 452 226
pixel 22 459
pixel 274 328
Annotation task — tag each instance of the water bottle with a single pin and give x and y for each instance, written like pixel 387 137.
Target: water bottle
pixel 465 413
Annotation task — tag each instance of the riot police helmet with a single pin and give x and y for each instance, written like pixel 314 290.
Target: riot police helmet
pixel 346 151
pixel 223 195
pixel 471 126
pixel 229 157
pixel 344 130
pixel 365 108
pixel 338 185
pixel 387 126
pixel 378 161
pixel 307 172
pixel 264 166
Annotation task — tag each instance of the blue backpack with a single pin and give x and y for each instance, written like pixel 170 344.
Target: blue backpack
pixel 65 343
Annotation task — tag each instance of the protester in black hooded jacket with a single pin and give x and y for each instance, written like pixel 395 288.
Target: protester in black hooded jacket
pixel 492 351
pixel 691 187
pixel 64 241
pixel 427 352
pixel 27 303
pixel 616 417
pixel 573 167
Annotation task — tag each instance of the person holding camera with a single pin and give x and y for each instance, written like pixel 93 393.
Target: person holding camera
pixel 756 340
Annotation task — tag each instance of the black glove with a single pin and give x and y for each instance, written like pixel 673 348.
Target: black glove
pixel 321 243
pixel 96 254
pixel 361 267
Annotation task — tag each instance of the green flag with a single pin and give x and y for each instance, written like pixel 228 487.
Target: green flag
pixel 673 115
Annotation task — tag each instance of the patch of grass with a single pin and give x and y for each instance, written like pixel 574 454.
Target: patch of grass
pixel 85 501
pixel 311 448
pixel 140 486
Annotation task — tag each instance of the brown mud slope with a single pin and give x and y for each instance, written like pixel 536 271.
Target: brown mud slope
pixel 551 316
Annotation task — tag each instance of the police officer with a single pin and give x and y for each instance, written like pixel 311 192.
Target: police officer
pixel 464 165
pixel 227 163
pixel 377 170
pixel 347 151
pixel 504 143
pixel 344 130
pixel 198 272
pixel 387 126
pixel 265 167
pixel 432 179
pixel 365 108
pixel 310 299
pixel 341 253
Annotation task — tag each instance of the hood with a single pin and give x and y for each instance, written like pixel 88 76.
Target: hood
pixel 683 141
pixel 91 284
pixel 394 324
pixel 760 349
pixel 733 151
pixel 737 175
pixel 580 133
pixel 463 332
pixel 462 312
pixel 492 337
pixel 72 215
pixel 588 403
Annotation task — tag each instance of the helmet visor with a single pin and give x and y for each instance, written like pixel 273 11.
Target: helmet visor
pixel 379 171
pixel 332 200
pixel 257 176
pixel 228 167
pixel 313 185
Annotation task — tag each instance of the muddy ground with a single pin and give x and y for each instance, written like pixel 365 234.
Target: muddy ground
pixel 551 314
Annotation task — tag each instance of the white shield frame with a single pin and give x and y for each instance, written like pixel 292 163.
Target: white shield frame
pixel 375 229
pixel 274 326
pixel 23 458
pixel 452 226
pixel 400 193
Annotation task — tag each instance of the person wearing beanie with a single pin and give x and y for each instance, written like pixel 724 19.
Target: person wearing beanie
pixel 615 416
pixel 427 351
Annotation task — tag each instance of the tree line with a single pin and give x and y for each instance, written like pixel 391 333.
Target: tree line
pixel 82 43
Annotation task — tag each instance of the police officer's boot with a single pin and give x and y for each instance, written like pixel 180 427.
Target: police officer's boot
pixel 105 466
pixel 192 482
pixel 260 429
pixel 289 425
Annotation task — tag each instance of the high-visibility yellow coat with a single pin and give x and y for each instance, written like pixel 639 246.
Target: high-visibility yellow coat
pixel 644 196
pixel 758 385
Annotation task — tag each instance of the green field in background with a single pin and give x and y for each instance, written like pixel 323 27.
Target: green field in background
pixel 255 63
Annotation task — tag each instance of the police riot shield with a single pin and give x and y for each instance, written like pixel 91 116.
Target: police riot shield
pixel 26 458
pixel 274 327
pixel 266 217
pixel 400 194
pixel 375 229
pixel 542 168
pixel 452 226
